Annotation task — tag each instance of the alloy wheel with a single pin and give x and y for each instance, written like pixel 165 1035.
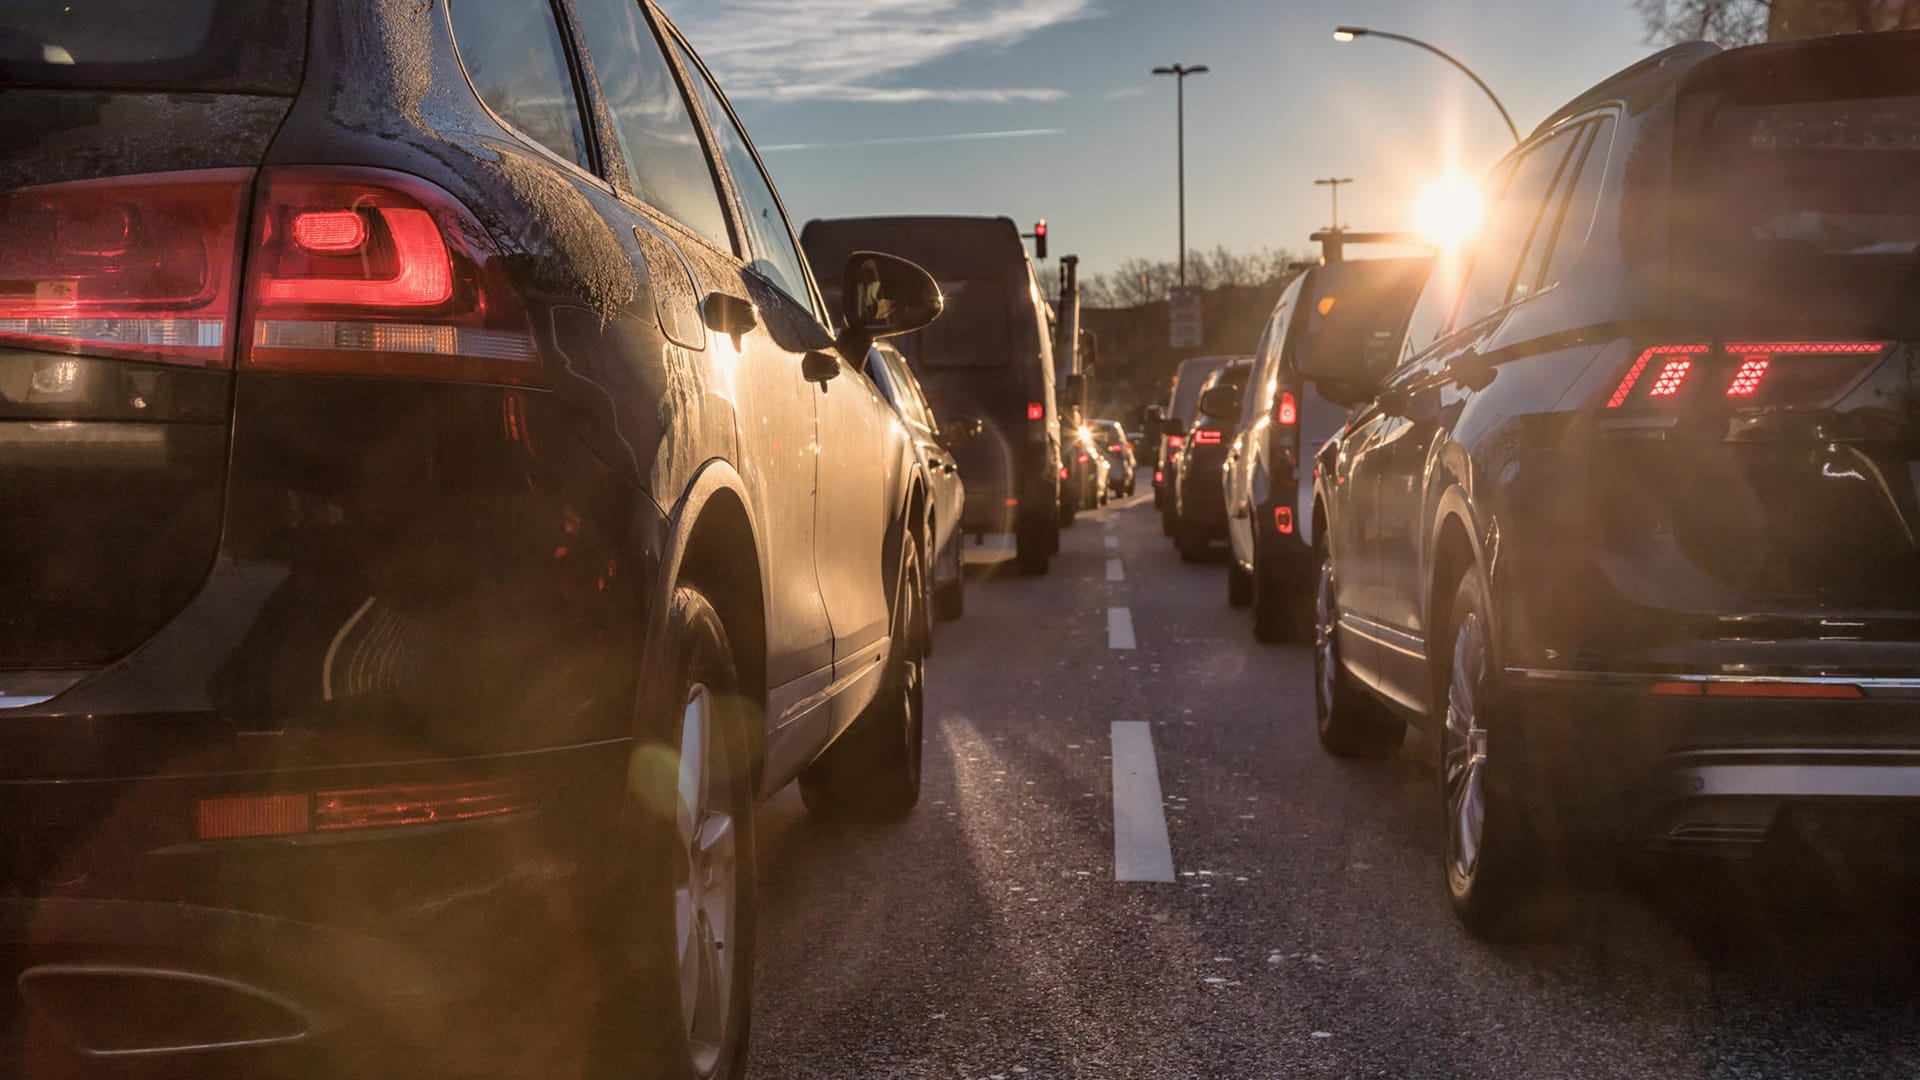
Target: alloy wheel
pixel 706 882
pixel 1463 760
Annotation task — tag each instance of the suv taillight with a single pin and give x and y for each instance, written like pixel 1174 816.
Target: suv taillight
pixel 1744 374
pixel 133 267
pixel 356 271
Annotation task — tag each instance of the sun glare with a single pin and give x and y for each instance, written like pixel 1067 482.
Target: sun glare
pixel 1449 209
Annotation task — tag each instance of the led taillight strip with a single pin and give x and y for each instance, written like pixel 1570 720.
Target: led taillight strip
pixel 1627 383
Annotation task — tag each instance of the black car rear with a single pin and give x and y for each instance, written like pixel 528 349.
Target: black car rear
pixel 1198 495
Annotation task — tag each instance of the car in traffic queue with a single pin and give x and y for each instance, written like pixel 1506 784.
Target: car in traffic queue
pixel 946 488
pixel 1171 423
pixel 438 512
pixel 1350 305
pixel 1196 497
pixel 989 358
pixel 1629 527
pixel 1083 472
pixel 1114 443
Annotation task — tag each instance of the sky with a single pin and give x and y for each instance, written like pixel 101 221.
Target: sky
pixel 1047 108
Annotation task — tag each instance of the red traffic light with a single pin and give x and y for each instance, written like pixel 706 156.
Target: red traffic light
pixel 1040 227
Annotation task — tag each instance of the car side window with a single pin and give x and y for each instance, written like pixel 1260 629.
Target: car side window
pixel 774 253
pixel 513 56
pixel 1577 223
pixel 1529 280
pixel 1504 239
pixel 666 165
pixel 911 402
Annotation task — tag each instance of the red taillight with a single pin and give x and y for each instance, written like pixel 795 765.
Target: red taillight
pixel 1063 472
pixel 1082 459
pixel 1760 689
pixel 1673 375
pixel 1287 412
pixel 1283 520
pixel 1746 381
pixel 1670 356
pixel 134 267
pixel 1175 442
pixel 1159 477
pixel 1036 411
pixel 1754 374
pixel 1206 437
pixel 368 272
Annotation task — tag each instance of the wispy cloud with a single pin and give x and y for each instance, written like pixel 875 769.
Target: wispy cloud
pixel 1123 93
pixel 899 140
pixel 859 50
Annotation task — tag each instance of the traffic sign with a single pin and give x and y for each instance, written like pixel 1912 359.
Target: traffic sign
pixel 1184 326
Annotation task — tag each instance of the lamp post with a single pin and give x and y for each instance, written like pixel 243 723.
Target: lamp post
pixel 1180 73
pixel 1348 33
pixel 1334 183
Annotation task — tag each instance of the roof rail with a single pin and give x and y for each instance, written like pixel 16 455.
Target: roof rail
pixel 1663 67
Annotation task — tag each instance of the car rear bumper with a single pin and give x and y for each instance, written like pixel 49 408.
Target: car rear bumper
pixel 1603 752
pixel 128 943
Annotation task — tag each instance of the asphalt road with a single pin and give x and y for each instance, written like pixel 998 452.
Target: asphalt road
pixel 1304 933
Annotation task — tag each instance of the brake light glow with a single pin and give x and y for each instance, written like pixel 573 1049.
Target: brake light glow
pixel 1036 411
pixel 1159 477
pixel 1758 689
pixel 368 272
pixel 1206 437
pixel 1746 381
pixel 130 267
pixel 1287 413
pixel 1063 472
pixel 1082 459
pixel 1672 376
pixel 1672 353
pixel 1283 520
pixel 1175 442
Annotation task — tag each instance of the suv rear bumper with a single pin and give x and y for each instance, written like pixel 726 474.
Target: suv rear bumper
pixel 1601 752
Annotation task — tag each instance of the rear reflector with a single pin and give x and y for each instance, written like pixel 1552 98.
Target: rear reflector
pixel 1287 412
pixel 240 816
pixel 1800 690
pixel 236 817
pixel 133 267
pixel 368 272
pixel 1283 520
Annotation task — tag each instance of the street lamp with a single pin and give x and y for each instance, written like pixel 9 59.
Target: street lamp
pixel 1180 73
pixel 1348 33
pixel 1334 182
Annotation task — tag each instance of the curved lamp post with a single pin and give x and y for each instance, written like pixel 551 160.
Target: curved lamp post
pixel 1348 33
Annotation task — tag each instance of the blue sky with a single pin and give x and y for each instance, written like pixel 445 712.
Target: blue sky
pixel 846 99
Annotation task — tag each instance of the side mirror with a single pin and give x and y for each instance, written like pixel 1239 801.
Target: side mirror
pixel 1221 403
pixel 883 296
pixel 962 429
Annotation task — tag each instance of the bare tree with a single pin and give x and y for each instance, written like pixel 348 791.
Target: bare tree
pixel 1724 22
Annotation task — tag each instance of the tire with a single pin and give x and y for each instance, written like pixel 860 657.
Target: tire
pixel 1069 509
pixel 1351 722
pixel 1490 860
pixel 871 773
pixel 1277 614
pixel 950 600
pixel 1188 541
pixel 1033 546
pixel 706 836
pixel 1239 584
pixel 1168 519
pixel 1053 537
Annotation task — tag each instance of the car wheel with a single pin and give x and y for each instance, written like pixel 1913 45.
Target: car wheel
pixel 1277 614
pixel 1239 584
pixel 950 600
pixel 1069 509
pixel 1033 544
pixel 1168 519
pixel 872 771
pixel 1188 541
pixel 1486 850
pixel 1351 722
pixel 692 880
pixel 1053 537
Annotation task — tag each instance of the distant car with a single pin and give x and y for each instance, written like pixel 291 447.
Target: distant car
pixel 1083 472
pixel 1113 442
pixel 1175 416
pixel 1284 419
pixel 989 358
pixel 437 510
pixel 1629 528
pixel 1197 500
pixel 940 471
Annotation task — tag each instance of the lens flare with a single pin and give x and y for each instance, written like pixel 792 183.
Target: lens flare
pixel 1449 210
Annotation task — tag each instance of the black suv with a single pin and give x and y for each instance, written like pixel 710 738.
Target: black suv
pixel 1631 527
pixel 1196 491
pixel 428 533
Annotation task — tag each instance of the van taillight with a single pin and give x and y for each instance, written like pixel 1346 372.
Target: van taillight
pixel 1035 410
pixel 1287 412
pixel 367 272
pixel 134 267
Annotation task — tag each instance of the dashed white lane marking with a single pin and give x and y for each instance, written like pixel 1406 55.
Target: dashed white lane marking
pixel 1119 628
pixel 1113 543
pixel 1114 572
pixel 1141 850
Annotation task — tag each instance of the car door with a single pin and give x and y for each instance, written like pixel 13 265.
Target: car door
pixel 1424 398
pixel 858 459
pixel 943 473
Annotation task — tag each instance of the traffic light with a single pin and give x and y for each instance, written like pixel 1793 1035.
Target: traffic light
pixel 1040 239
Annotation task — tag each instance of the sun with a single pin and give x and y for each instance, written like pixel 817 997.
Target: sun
pixel 1448 210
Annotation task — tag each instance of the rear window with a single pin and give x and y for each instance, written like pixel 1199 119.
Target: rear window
pixel 972 332
pixel 1813 178
pixel 235 45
